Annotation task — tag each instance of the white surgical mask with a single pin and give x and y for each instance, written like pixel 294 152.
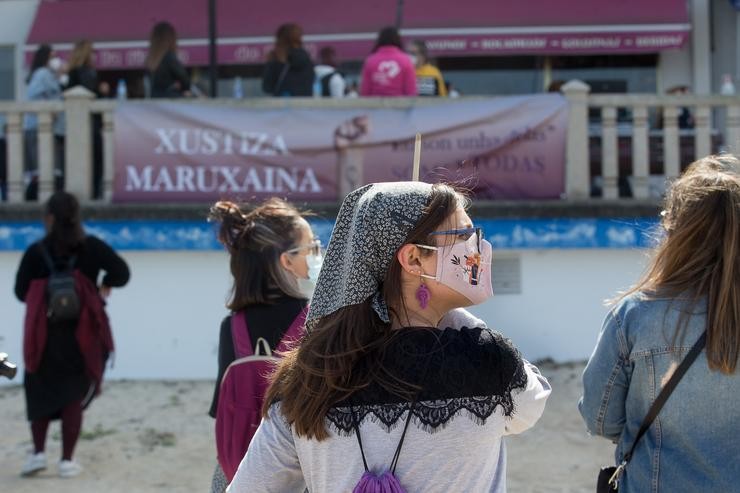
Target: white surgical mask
pixel 55 63
pixel 414 59
pixel 308 285
pixel 465 267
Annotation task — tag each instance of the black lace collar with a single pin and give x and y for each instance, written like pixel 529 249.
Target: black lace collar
pixel 472 370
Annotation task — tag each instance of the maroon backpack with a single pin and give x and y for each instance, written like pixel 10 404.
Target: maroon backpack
pixel 243 389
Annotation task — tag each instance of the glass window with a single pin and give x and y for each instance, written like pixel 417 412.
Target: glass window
pixel 493 75
pixel 609 73
pixel 7 72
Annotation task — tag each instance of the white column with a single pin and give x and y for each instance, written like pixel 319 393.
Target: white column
pixel 78 143
pixel 640 152
pixel 14 139
pixel 46 155
pixel 577 171
pixel 609 152
pixel 700 47
pixel 107 155
pixel 671 154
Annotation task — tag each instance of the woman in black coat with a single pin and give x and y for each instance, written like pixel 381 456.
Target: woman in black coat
pixel 167 76
pixel 289 70
pixel 60 388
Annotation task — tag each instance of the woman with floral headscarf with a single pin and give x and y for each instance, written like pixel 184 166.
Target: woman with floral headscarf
pixel 375 378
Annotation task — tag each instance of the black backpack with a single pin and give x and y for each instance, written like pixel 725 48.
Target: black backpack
pixel 325 80
pixel 63 302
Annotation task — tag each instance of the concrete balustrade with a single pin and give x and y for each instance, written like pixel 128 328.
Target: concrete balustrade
pixel 620 116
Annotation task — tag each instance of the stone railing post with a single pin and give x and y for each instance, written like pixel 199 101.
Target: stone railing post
pixel 733 128
pixel 78 145
pixel 108 169
pixel 640 153
pixel 609 152
pixel 577 169
pixel 14 139
pixel 671 143
pixel 45 155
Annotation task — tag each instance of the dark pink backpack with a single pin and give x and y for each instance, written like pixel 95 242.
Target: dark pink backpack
pixel 243 389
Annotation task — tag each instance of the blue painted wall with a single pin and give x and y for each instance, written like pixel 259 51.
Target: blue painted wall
pixel 515 234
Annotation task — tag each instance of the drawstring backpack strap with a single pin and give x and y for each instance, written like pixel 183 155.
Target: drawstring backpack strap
pixel 397 453
pixel 359 440
pixel 394 463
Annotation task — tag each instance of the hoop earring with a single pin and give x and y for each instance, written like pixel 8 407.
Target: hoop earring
pixel 423 295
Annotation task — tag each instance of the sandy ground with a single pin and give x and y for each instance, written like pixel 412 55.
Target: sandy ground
pixel 153 436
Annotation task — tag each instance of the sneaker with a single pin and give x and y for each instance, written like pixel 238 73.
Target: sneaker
pixel 34 463
pixel 69 468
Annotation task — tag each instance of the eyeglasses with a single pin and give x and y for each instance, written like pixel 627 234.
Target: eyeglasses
pixel 463 234
pixel 314 248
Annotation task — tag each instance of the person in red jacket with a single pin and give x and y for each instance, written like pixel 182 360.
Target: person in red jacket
pixel 388 71
pixel 64 359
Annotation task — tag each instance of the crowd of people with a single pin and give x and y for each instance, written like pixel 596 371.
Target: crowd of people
pixel 390 70
pixel 382 381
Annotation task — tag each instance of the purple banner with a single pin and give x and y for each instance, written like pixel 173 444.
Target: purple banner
pixel 505 148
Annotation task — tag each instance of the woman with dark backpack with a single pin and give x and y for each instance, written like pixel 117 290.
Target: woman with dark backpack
pixel 66 338
pixel 275 260
pixel 663 381
pixel 381 395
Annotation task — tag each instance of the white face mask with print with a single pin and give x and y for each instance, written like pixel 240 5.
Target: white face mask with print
pixel 308 285
pixel 465 267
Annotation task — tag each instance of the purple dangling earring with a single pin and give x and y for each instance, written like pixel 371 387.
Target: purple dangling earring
pixel 423 295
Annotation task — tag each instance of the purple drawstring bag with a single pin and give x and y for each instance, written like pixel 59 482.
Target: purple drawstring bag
pixel 372 483
pixel 387 482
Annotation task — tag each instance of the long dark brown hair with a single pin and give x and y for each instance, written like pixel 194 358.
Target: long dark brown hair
pixel 162 40
pixel 388 36
pixel 287 37
pixel 40 59
pixel 255 239
pixel 700 253
pixel 66 235
pixel 344 352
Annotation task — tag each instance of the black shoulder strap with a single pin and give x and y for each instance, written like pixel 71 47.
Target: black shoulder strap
pixel 50 262
pixel 666 392
pixel 47 258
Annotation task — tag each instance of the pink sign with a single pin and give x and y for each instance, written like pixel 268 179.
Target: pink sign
pixel 505 148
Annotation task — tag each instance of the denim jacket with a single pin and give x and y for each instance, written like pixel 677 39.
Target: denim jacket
pixel 694 443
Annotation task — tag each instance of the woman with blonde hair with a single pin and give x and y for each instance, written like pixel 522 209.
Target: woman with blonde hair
pixel 686 306
pixel 167 76
pixel 289 69
pixel 82 71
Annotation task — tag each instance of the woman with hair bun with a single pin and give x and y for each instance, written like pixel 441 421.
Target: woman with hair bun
pixel 275 259
pixel 64 356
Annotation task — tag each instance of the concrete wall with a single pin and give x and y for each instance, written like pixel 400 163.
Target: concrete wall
pixel 166 320
pixel 16 17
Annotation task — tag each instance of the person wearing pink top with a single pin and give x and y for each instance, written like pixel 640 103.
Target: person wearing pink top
pixel 388 71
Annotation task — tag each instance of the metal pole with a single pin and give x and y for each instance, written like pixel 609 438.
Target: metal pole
pixel 212 57
pixel 399 14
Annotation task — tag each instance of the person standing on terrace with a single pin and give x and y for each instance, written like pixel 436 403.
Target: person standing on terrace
pixel 167 76
pixel 388 71
pixel 289 70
